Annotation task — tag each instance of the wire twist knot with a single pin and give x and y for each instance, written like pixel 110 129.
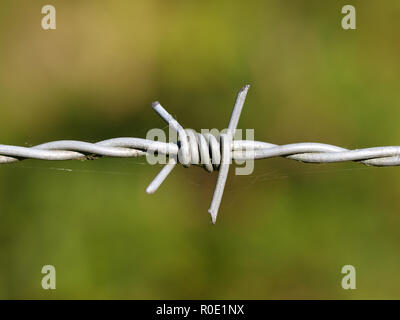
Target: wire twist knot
pixel 202 149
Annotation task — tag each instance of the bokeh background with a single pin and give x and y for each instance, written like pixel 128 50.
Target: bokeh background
pixel 283 232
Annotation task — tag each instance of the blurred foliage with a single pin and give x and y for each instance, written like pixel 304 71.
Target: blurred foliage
pixel 283 232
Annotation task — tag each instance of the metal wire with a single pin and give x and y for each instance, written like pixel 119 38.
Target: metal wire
pixel 213 153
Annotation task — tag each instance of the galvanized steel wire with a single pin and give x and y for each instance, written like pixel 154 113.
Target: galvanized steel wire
pixel 213 153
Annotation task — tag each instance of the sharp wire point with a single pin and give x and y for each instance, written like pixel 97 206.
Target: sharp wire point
pixel 155 104
pixel 161 176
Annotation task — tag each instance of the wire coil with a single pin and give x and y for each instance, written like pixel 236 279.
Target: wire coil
pixel 203 149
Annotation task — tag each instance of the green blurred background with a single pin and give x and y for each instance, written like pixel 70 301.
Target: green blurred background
pixel 283 232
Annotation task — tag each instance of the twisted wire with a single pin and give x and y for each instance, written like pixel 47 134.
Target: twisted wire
pixel 204 149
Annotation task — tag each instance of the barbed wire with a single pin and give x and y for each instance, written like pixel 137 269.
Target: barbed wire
pixel 207 150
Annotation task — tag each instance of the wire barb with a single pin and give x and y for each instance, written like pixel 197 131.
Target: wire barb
pixel 226 143
pixel 206 150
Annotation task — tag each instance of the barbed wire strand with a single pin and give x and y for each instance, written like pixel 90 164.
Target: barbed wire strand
pixel 213 153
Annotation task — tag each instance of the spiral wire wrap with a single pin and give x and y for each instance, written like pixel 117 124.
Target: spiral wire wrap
pixel 204 149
